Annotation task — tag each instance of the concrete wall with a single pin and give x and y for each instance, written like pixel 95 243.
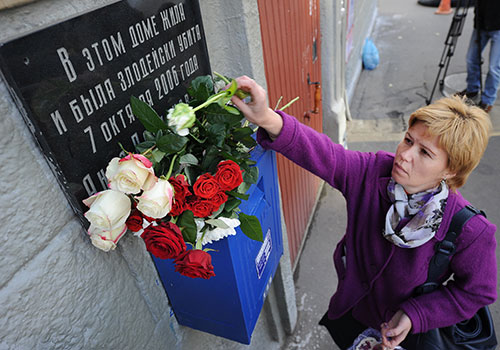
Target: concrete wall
pixel 335 107
pixel 340 72
pixel 364 15
pixel 56 290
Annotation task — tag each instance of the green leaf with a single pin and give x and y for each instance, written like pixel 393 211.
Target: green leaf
pixel 211 158
pixel 251 175
pixel 232 89
pixel 191 175
pixel 230 120
pixel 241 133
pixel 217 223
pixel 201 88
pixel 223 101
pixel 249 142
pixel 244 187
pixel 238 195
pixel 188 226
pixel 229 156
pixel 232 109
pixel 231 204
pixel 149 136
pixel 218 133
pixel 221 208
pixel 171 143
pixel 189 159
pixel 159 135
pixel 143 146
pixel 147 115
pixel 158 155
pixel 250 226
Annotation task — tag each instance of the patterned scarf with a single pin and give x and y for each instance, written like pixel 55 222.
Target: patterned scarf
pixel 414 219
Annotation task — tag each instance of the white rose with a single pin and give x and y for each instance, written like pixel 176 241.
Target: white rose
pixel 181 117
pixel 218 232
pixel 130 174
pixel 106 240
pixel 108 209
pixel 156 202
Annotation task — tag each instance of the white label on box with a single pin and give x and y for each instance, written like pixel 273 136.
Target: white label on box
pixel 264 253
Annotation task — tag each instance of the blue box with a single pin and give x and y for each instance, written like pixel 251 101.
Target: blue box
pixel 229 304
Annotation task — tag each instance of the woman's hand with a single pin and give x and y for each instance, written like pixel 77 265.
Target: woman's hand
pixel 394 332
pixel 257 111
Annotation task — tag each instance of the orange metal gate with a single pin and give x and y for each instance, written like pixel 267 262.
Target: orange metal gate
pixel 291 43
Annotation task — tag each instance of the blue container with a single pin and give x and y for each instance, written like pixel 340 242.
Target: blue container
pixel 229 304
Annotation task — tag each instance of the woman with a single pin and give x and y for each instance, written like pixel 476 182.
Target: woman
pixel 398 207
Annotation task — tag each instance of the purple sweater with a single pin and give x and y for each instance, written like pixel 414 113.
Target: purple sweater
pixel 378 277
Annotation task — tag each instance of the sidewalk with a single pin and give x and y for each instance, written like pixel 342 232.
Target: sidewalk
pixel 410 39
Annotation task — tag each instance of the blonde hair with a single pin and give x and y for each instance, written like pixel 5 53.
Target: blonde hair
pixel 463 131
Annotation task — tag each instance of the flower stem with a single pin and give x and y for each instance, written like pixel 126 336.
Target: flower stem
pixel 278 103
pixel 171 167
pixel 210 100
pixel 149 150
pixel 222 77
pixel 123 148
pixel 198 242
pixel 289 103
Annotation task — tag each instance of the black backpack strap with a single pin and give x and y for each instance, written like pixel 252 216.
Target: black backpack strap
pixel 441 259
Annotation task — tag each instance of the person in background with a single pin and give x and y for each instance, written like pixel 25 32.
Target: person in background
pixel 486 29
pixel 398 206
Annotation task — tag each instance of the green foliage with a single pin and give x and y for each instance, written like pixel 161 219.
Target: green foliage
pixel 171 143
pixel 201 88
pixel 188 226
pixel 147 115
pixel 218 134
pixel 250 226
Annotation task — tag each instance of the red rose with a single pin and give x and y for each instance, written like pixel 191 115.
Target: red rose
pixel 206 186
pixel 178 207
pixel 228 175
pixel 134 221
pixel 200 207
pixel 164 241
pixel 218 199
pixel 150 220
pixel 134 206
pixel 180 185
pixel 195 263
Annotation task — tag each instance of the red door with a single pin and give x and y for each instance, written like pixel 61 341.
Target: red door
pixel 292 50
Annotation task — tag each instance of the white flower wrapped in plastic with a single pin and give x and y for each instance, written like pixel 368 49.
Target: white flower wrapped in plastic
pixel 226 228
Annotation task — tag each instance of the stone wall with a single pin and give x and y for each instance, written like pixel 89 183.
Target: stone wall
pixel 56 290
pixel 364 14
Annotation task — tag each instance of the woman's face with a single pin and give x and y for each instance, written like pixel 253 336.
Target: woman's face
pixel 419 164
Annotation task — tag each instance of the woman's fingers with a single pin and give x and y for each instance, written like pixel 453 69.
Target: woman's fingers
pixel 256 110
pixel 242 106
pixel 394 332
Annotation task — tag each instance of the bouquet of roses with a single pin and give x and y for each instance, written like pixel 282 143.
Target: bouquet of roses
pixel 184 184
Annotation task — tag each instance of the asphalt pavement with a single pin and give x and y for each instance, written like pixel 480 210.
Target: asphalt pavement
pixel 410 39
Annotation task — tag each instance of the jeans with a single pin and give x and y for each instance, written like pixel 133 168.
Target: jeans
pixel 489 94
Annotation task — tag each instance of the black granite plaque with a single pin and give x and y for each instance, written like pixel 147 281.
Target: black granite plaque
pixel 73 82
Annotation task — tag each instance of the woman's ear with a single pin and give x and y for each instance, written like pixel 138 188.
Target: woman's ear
pixel 448 175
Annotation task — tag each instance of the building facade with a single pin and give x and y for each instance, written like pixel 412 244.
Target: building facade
pixel 56 290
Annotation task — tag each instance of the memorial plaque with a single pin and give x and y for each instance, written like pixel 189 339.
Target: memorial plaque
pixel 73 82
